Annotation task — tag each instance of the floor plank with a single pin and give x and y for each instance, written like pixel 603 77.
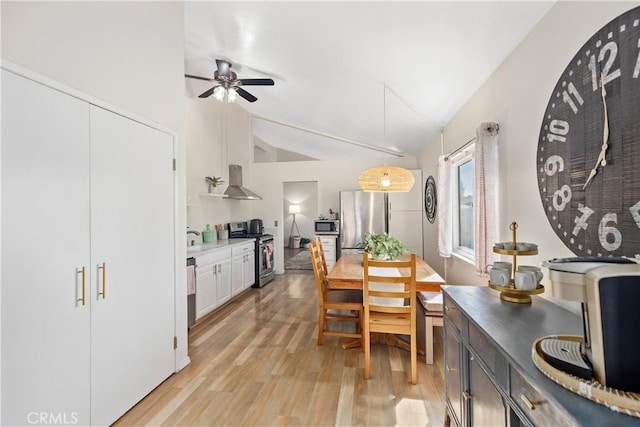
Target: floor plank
pixel 256 362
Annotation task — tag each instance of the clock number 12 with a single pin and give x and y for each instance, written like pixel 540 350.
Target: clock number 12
pixel 607 75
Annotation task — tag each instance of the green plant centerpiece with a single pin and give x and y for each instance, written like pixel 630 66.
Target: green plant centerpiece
pixel 383 246
pixel 213 182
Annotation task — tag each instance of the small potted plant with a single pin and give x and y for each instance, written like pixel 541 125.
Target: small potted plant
pixel 383 246
pixel 304 242
pixel 213 182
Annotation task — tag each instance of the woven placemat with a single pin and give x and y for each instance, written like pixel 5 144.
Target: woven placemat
pixel 616 400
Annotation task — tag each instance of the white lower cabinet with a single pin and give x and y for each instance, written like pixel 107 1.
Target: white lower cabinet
pixel 213 280
pixel 88 327
pixel 206 289
pixel 222 274
pixel 242 267
pixel 329 248
pixel 223 277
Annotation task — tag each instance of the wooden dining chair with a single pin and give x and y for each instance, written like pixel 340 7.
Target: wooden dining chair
pixel 318 241
pixel 348 302
pixel 389 296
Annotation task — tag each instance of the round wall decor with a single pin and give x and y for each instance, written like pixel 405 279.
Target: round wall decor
pixel 430 199
pixel 588 155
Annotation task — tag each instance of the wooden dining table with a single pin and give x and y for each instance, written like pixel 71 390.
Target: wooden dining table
pixel 348 273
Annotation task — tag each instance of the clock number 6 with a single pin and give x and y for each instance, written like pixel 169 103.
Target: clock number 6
pixel 604 230
pixel 564 194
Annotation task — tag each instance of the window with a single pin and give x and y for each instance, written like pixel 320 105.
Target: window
pixel 462 175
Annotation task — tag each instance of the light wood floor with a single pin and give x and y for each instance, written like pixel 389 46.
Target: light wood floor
pixel 256 362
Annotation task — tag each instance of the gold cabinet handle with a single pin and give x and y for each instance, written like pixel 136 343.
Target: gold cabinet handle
pixel 448 308
pixel 82 272
pixel 531 405
pixel 103 267
pixel 466 395
pixel 449 369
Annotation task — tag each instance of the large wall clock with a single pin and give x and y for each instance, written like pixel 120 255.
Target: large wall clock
pixel 430 199
pixel 588 156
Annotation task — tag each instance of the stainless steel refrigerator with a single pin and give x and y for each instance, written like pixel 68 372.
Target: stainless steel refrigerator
pixel 361 213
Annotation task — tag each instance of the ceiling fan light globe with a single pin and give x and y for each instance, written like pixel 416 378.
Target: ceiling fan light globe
pixel 232 95
pixel 218 93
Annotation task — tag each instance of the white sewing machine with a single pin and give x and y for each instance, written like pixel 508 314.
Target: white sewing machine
pixel 609 291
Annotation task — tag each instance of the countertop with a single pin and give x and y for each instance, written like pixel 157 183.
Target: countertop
pixel 197 250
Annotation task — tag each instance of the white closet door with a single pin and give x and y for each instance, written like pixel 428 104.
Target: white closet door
pixel 45 240
pixel 132 325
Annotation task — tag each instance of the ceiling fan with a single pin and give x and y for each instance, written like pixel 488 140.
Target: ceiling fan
pixel 229 83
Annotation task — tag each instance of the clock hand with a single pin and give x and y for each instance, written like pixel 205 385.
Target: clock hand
pixel 605 131
pixel 602 160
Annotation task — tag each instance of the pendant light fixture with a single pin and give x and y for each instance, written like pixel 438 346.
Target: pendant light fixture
pixel 386 179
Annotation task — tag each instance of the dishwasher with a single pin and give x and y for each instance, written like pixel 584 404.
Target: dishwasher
pixel 191 298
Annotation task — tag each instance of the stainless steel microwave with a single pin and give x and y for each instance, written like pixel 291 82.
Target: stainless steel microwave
pixel 327 226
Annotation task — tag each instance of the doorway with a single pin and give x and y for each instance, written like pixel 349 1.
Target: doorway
pixel 300 207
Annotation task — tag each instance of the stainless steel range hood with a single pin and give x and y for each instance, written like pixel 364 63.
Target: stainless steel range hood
pixel 235 190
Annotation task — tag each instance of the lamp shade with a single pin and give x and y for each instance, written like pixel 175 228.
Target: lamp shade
pixel 386 179
pixel 294 209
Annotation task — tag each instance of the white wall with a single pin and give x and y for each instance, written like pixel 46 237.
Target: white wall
pixel 515 96
pixel 331 175
pixel 127 54
pixel 216 134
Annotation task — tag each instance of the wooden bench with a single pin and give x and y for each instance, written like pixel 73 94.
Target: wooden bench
pixel 429 315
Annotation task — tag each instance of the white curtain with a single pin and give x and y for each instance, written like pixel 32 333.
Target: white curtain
pixel 485 194
pixel 445 232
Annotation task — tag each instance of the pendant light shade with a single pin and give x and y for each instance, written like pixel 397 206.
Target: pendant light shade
pixel 386 179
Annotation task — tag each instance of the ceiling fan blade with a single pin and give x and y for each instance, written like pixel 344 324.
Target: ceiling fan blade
pixel 199 78
pixel 246 95
pixel 224 68
pixel 207 93
pixel 257 82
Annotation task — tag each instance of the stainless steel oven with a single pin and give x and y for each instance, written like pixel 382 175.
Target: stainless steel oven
pixel 265 260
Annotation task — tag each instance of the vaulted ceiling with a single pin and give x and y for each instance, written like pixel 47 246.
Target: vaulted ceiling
pixel 329 61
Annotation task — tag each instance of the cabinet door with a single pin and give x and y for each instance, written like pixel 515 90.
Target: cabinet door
pixel 237 274
pixel 45 242
pixel 206 289
pixel 411 200
pixel 132 235
pixel 223 280
pixel 487 408
pixel 453 372
pixel 250 269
